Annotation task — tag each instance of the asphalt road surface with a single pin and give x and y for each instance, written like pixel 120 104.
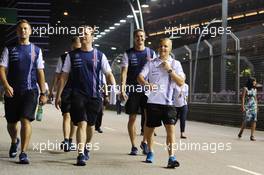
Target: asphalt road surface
pixel 209 149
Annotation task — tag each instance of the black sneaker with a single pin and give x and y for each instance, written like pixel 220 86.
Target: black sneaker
pixel 23 158
pixel 81 160
pixel 99 130
pixel 13 149
pixel 65 146
pixel 144 148
pixel 134 151
pixel 172 162
pixel 87 154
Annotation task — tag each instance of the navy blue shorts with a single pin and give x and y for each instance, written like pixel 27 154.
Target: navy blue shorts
pixel 156 114
pixel 136 103
pixel 21 105
pixel 84 108
pixel 65 102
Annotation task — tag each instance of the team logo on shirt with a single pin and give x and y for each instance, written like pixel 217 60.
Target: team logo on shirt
pixel 77 55
pixel 133 60
pixel 13 49
pixel 13 54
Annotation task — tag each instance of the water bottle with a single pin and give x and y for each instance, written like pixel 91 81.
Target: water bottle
pixel 39 113
pixel 124 101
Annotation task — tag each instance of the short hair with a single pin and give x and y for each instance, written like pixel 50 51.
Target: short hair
pixel 137 30
pixel 74 39
pixel 88 26
pixel 21 22
pixel 165 39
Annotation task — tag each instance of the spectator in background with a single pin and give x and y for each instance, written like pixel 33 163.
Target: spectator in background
pixel 181 97
pixel 249 107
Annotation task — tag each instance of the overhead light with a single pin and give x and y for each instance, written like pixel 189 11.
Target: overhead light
pixel 96 45
pixel 117 24
pixel 107 30
pixel 145 6
pixel 149 42
pixel 102 33
pixel 136 11
pixel 113 48
pixel 262 11
pixel 98 36
pixel 251 14
pixel 58 22
pixel 65 13
pixel 123 21
pixel 111 28
pixel 130 16
pixel 238 16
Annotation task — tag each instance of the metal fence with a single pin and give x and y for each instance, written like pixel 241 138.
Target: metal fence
pixel 207 87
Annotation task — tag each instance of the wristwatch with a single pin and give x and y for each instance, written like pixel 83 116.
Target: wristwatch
pixel 43 93
pixel 169 71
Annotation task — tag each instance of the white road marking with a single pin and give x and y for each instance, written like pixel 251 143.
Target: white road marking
pixel 158 144
pixel 111 129
pixel 244 170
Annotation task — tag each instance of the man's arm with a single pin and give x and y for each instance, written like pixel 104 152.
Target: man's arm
pixel 124 69
pixel 110 78
pixel 61 83
pixel 123 81
pixel 4 61
pixel 177 78
pixel 42 87
pixel 9 92
pixel 54 84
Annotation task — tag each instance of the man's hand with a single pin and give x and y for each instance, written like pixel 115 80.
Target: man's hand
pixel 9 92
pixel 42 99
pixel 123 96
pixel 151 86
pixel 58 102
pixel 106 100
pixel 166 66
pixel 51 96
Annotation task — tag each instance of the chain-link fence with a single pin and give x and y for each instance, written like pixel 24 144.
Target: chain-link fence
pixel 251 64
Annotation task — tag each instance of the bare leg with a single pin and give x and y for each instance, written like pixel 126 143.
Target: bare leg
pixel 73 130
pixel 148 132
pixel 25 133
pixel 243 125
pixel 66 125
pixel 89 132
pixel 81 136
pixel 12 129
pixel 170 129
pixel 253 128
pixel 132 129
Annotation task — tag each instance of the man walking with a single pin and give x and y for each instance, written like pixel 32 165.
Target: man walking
pixel 85 64
pixel 24 63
